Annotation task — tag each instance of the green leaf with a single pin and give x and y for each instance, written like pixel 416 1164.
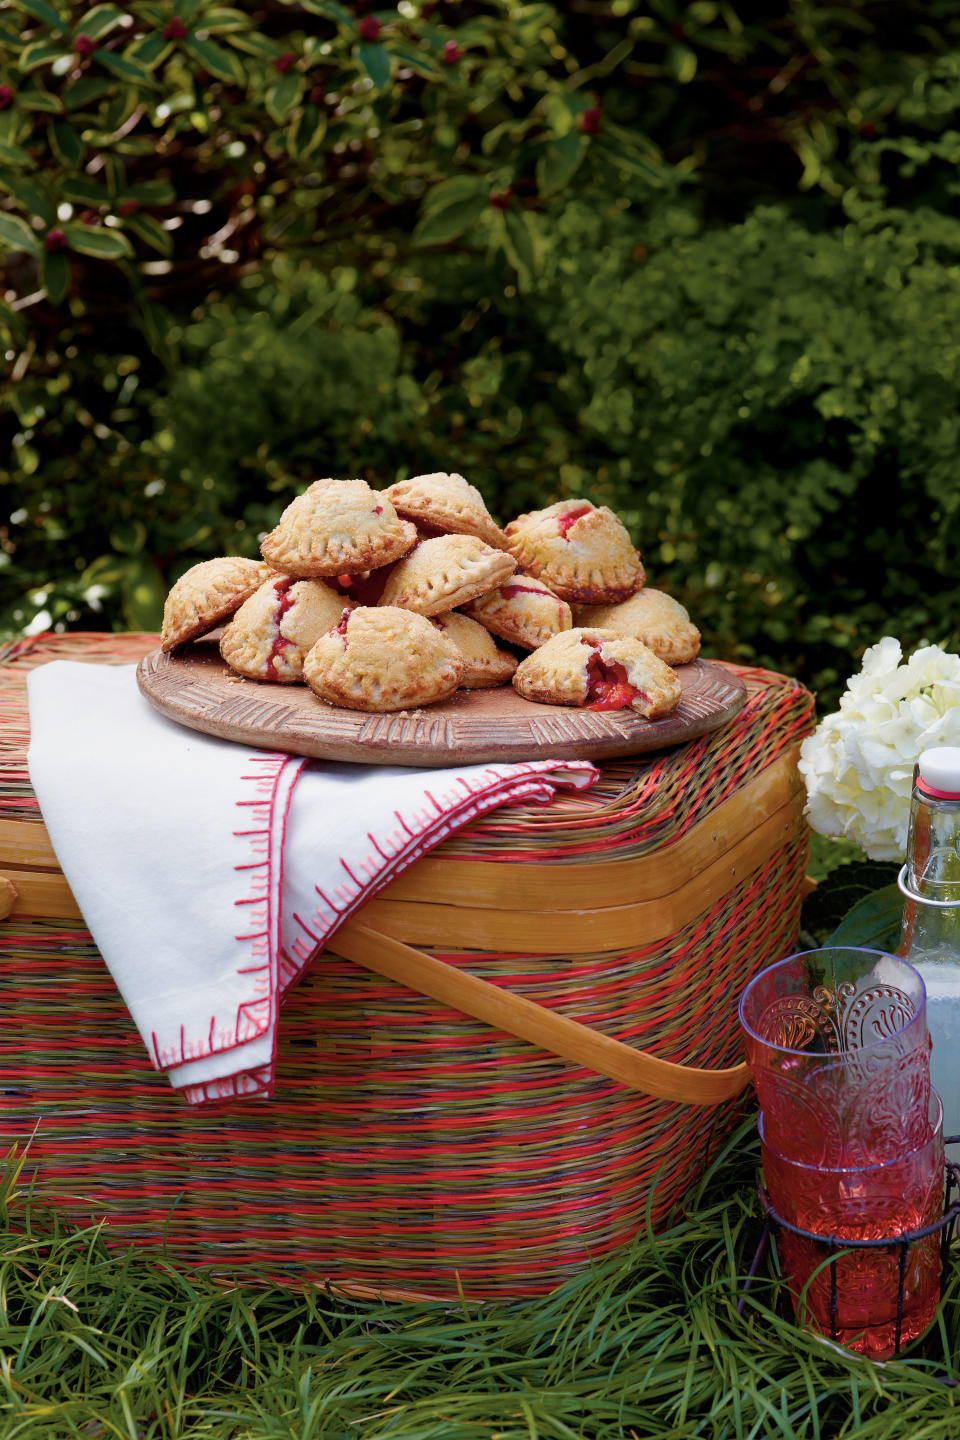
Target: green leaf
pixel 453 220
pixel 462 187
pixel 15 234
pixel 150 231
pixel 13 327
pixel 150 192
pixel 149 50
pixel 15 155
pixel 125 68
pixel 330 10
pixel 838 892
pixel 519 246
pixel 55 276
pixel 375 59
pixel 222 63
pixel 30 196
pixel 253 44
pixel 284 95
pixel 873 923
pixel 418 60
pixel 97 241
pixel 99 21
pixel 85 91
pixel 558 162
pixel 306 131
pixel 78 190
pixel 225 22
pixel 40 100
pixel 65 143
pixel 682 63
pixel 43 12
pixel 143 594
pixel 40 52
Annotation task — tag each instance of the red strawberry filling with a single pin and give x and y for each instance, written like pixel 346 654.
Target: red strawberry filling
pixel 341 626
pixel 508 591
pixel 570 517
pixel 280 642
pixel 607 685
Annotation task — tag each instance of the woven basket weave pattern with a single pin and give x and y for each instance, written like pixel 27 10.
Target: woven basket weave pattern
pixel 409 1145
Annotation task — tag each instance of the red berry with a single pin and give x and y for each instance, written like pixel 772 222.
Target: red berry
pixel 284 62
pixel 174 29
pixel 89 217
pixel 869 131
pixel 56 240
pixel 127 207
pixel 677 30
pixel 6 96
pixel 316 95
pixel 452 52
pixel 500 199
pixel 369 28
pixel 590 121
pixel 84 45
pixel 639 252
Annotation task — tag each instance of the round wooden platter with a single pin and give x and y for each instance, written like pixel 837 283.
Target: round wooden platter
pixel 195 688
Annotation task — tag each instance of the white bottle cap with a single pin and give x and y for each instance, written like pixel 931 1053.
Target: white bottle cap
pixel 940 770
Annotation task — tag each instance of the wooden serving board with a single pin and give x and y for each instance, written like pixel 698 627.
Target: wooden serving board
pixel 195 688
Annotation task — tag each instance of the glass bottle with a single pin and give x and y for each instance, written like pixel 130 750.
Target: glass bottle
pixel 930 933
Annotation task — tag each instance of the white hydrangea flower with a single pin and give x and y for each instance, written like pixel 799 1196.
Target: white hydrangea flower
pixel 858 764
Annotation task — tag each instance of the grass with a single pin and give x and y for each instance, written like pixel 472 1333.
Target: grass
pixel 101 1344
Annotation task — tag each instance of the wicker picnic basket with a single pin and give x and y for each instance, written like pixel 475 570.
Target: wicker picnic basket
pixel 412 1148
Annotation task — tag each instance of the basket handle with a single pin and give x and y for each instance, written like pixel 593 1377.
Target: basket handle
pixel 524 1018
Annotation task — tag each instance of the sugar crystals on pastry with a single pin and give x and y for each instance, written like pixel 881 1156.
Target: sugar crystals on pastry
pixel 485 664
pixel 524 611
pixel 337 527
pixel 654 617
pixel 383 658
pixel 272 631
pixel 581 551
pixel 599 670
pixel 445 572
pixel 447 503
pixel 206 595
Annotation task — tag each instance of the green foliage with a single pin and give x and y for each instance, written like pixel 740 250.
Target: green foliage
pixel 537 244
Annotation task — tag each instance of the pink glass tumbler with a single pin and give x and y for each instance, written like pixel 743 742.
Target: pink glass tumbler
pixel 838 1048
pixel 871 1299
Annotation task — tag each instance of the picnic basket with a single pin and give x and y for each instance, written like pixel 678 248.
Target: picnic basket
pixel 411 1148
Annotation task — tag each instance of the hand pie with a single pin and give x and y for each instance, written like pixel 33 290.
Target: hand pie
pixel 271 633
pixel 657 619
pixel 485 665
pixel 524 611
pixel 599 670
pixel 583 553
pixel 336 527
pixel 206 595
pixel 383 659
pixel 446 503
pixel 446 572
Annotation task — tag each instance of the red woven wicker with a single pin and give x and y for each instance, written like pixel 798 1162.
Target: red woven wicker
pixel 410 1149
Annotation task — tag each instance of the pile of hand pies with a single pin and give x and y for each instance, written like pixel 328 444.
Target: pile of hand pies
pixel 391 599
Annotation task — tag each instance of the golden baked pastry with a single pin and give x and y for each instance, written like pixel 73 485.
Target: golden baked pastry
pixel 446 503
pixel 271 633
pixel 337 527
pixel 599 670
pixel 383 658
pixel 206 595
pixel 524 611
pixel 654 617
pixel 581 551
pixel 485 664
pixel 446 572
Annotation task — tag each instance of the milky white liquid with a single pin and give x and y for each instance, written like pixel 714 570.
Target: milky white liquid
pixel 942 979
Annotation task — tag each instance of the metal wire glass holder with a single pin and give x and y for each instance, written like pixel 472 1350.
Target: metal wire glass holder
pixel 835 1245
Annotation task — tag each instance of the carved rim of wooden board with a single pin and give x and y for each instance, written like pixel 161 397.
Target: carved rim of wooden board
pixel 195 688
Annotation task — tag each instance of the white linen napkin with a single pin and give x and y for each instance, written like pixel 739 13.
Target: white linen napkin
pixel 209 874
